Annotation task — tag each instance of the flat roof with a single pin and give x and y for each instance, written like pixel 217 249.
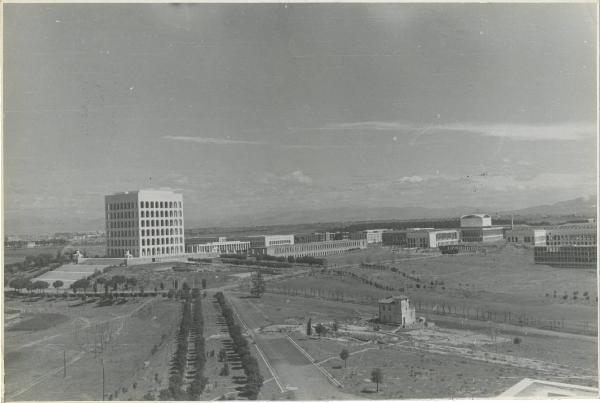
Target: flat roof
pixel 393 298
pixel 536 388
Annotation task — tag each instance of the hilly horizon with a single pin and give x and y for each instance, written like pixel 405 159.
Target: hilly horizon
pixel 579 207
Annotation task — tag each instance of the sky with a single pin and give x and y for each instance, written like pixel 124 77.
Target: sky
pixel 248 108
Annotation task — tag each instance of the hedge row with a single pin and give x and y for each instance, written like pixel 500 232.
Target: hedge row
pixel 200 381
pixel 241 347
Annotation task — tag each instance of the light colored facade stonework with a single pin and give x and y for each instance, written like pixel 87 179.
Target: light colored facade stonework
pixel 431 238
pixel 314 249
pixel 144 223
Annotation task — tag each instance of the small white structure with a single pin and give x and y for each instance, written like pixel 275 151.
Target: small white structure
pixel 431 238
pixel 539 389
pixel 475 220
pixel 526 235
pixel 397 309
pixel 263 241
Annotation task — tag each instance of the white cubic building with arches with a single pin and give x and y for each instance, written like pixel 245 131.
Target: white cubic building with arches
pixel 144 224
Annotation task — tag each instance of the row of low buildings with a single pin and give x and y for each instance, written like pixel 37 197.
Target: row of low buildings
pixel 473 228
pixel 274 245
pixel 149 225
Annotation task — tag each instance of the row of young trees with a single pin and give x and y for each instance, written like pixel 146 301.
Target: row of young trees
pixel 241 347
pixel 199 382
pixel 192 322
pixel 175 391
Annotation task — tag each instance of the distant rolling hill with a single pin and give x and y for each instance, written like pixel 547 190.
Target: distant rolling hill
pixel 580 207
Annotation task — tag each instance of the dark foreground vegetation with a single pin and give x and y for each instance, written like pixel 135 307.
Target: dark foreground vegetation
pixel 241 347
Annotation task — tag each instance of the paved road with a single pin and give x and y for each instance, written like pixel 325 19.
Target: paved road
pixel 292 368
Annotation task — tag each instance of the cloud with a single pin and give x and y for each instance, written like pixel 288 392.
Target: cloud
pixel 299 177
pixel 369 125
pixel 211 140
pixel 560 131
pixel 514 131
pixel 293 178
pixel 410 179
pixel 227 141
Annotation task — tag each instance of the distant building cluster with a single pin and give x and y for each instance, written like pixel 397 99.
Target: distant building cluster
pixel 571 245
pixel 148 225
pixel 314 249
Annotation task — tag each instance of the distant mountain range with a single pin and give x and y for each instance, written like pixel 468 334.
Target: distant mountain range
pixel 580 207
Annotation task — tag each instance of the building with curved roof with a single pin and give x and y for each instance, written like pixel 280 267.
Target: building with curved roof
pixel 478 228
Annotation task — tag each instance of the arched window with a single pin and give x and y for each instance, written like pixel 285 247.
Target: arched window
pixel 162 223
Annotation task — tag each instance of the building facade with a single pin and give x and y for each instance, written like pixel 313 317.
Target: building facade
pixel 431 238
pixel 478 228
pixel 394 238
pixel 397 310
pixel 571 234
pixel 373 236
pixel 314 237
pixel 219 247
pixel 263 241
pixel 475 220
pixel 144 223
pixel 526 235
pixel 572 245
pixel 314 249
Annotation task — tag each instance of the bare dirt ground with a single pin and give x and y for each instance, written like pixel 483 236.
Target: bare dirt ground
pixel 505 284
pixel 125 338
pixel 300 378
pixel 459 361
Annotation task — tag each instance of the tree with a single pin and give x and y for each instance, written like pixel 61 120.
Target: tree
pixel 28 285
pixel 18 283
pixel 225 370
pixel 222 355
pixel 40 285
pixel 203 283
pixel 258 285
pixel 309 327
pixel 334 326
pixel 83 284
pixel 344 356
pixel 377 377
pixel 321 330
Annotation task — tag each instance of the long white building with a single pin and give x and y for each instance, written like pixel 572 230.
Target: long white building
pixel 144 223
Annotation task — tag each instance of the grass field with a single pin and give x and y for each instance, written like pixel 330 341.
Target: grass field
pixel 439 363
pixel 19 254
pixel 150 276
pixel 134 334
pixel 504 284
pixel 69 273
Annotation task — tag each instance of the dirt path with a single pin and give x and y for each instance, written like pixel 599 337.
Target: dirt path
pixel 74 359
pixel 294 370
pixel 216 337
